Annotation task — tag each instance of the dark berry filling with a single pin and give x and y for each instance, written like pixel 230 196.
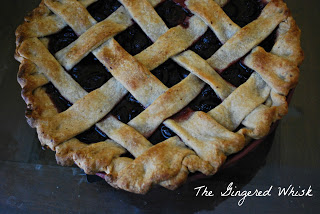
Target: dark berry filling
pixel 268 43
pixel 127 109
pixel 206 45
pixel 173 13
pixel 133 40
pixel 91 74
pixel 205 101
pixel 242 12
pixel 170 73
pixel 161 134
pixel 61 39
pixel 237 74
pixel 59 101
pixel 92 135
pixel 103 8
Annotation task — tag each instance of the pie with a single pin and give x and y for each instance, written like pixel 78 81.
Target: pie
pixel 144 92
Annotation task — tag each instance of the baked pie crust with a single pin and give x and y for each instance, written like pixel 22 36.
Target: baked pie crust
pixel 204 140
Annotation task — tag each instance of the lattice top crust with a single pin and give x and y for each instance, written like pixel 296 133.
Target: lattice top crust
pixel 204 140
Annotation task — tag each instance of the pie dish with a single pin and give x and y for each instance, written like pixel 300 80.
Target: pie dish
pixel 145 92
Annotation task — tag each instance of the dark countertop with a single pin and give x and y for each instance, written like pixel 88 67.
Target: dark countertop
pixel 32 182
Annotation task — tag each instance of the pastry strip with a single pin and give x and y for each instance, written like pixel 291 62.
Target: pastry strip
pixel 36 52
pixel 73 13
pixel 213 15
pixel 249 36
pixel 93 38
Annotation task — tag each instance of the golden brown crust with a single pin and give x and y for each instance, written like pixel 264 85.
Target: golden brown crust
pixel 138 79
pixel 168 104
pixel 250 35
pixel 83 114
pixel 210 137
pixel 97 157
pixel 280 73
pixel 80 19
pixel 213 15
pixel 95 36
pixel 199 67
pixel 160 163
pixel 288 42
pixel 144 14
pixel 162 49
pixel 65 151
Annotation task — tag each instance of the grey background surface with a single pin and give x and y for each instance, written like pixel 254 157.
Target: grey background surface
pixel 32 182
